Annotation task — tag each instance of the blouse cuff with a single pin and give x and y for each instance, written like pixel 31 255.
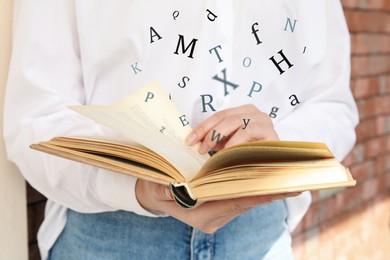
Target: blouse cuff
pixel 118 191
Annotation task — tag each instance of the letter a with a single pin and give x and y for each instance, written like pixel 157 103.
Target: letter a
pixel 295 100
pixel 153 34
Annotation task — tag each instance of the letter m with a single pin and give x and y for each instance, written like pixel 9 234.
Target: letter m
pixel 184 49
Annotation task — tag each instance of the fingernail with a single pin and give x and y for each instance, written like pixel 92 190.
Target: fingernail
pixel 203 148
pixel 190 140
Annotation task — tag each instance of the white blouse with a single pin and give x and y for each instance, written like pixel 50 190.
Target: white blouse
pixel 289 58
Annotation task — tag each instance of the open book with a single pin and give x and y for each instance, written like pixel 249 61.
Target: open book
pixel 153 149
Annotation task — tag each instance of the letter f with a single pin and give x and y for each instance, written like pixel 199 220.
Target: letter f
pixel 254 32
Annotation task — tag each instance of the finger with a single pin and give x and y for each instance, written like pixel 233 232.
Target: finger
pixel 220 133
pixel 238 205
pixel 255 132
pixel 199 132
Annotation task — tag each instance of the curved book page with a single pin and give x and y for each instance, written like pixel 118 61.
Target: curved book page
pixel 151 119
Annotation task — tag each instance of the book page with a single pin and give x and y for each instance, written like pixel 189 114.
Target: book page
pixel 150 118
pixel 264 151
pixel 295 180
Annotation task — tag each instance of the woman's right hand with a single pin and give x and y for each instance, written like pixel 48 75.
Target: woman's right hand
pixel 207 217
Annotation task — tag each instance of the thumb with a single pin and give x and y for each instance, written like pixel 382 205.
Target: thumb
pixel 163 192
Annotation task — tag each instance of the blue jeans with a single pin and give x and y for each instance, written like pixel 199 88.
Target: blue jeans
pixel 260 233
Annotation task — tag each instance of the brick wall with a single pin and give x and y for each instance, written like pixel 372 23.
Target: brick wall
pixel 352 223
pixel 355 223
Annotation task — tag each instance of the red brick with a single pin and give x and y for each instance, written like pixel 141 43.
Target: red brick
pixel 387 143
pixel 328 209
pixel 387 176
pixel 356 155
pixel 350 3
pixel 363 21
pixel 381 184
pixel 387 85
pixel 312 217
pixel 370 188
pixel 382 163
pixel 364 170
pixel 374 106
pixel 364 87
pixel 366 129
pixel 364 112
pixel 363 43
pixel 382 125
pixel 381 5
pixel 314 196
pixel 370 65
pixel 375 147
pixel 350 198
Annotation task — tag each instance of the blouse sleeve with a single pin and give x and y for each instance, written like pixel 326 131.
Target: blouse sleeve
pixel 328 113
pixel 45 77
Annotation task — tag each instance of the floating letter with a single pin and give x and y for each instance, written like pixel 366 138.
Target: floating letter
pixel 175 14
pixel 294 101
pixel 183 48
pixel 246 62
pixel 288 22
pixel 218 137
pixel 273 112
pixel 204 103
pixel 184 79
pixel 246 123
pixel 256 87
pixel 254 32
pixel 211 16
pixel 162 129
pixel 153 33
pixel 135 68
pixel 150 95
pixel 183 120
pixel 283 59
pixel 225 82
pixel 216 52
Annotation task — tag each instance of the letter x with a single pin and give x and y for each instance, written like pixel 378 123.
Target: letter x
pixel 225 82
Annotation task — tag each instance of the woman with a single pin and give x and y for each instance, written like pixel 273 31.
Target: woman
pixel 280 68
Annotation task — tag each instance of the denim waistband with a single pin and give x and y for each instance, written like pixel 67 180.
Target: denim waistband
pixel 126 235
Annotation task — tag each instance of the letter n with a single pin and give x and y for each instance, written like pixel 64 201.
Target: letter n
pixel 288 23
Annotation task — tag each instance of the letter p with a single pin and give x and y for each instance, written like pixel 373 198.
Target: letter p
pixel 150 95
